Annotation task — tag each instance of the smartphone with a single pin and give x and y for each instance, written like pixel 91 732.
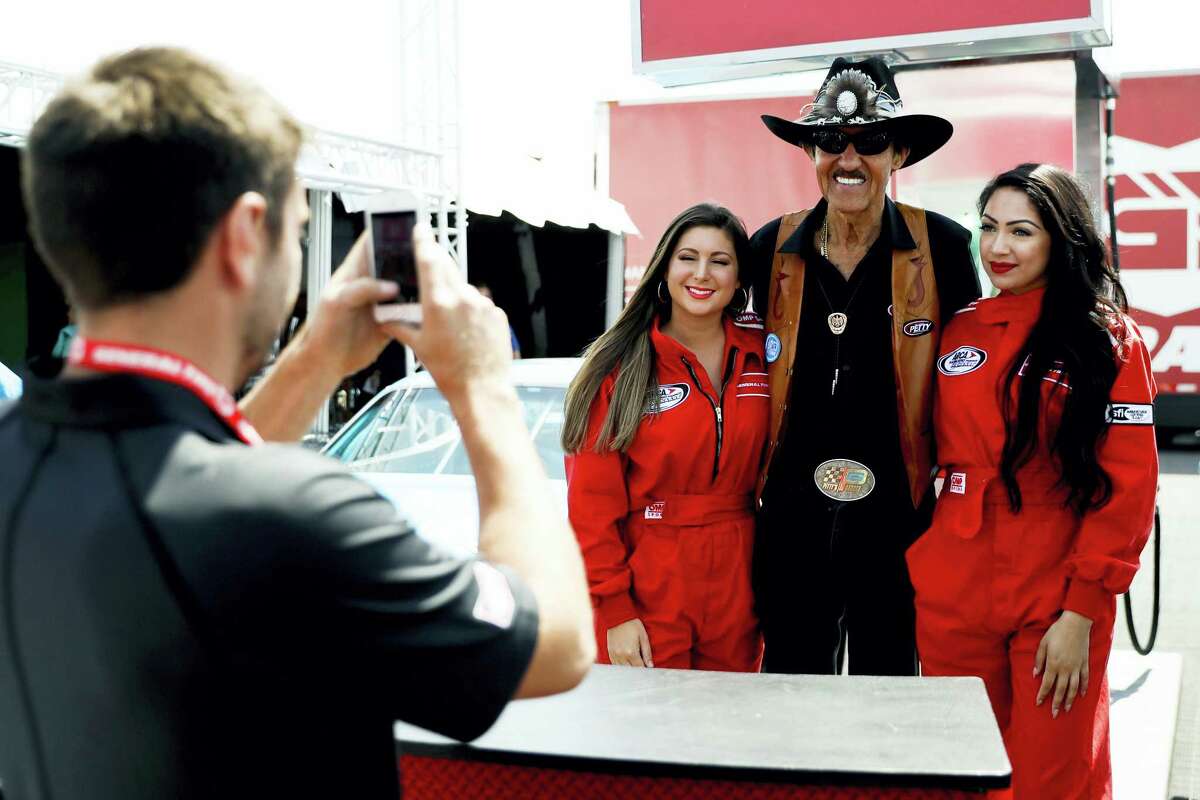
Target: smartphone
pixel 390 220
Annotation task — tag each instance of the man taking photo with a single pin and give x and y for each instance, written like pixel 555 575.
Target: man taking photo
pixel 188 612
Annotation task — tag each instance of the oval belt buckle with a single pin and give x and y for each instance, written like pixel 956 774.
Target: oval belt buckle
pixel 844 479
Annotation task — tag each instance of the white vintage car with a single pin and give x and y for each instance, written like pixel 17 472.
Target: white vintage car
pixel 406 444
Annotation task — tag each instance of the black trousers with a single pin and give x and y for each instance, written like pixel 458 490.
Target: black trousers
pixel 828 574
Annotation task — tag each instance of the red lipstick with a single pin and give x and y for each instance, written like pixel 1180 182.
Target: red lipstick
pixel 1001 267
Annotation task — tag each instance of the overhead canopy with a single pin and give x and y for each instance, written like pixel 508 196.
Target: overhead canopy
pixel 531 189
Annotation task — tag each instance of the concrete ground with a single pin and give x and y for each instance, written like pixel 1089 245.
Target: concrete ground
pixel 1179 623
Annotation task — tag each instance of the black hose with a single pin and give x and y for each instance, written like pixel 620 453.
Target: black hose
pixel 1133 637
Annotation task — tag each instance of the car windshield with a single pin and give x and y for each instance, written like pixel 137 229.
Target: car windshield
pixel 413 431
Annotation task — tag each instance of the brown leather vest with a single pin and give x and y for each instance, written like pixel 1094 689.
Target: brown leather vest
pixel 914 298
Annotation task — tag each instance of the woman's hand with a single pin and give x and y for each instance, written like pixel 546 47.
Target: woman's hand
pixel 1062 661
pixel 629 645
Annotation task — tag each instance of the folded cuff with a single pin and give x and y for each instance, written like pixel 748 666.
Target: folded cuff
pixel 1090 599
pixel 613 609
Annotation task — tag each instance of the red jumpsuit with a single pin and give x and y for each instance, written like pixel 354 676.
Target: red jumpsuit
pixel 990 583
pixel 667 527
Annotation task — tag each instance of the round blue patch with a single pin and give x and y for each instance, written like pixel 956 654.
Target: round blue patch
pixel 773 347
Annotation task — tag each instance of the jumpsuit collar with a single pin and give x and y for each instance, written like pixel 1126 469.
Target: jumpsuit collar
pixel 1007 307
pixel 667 347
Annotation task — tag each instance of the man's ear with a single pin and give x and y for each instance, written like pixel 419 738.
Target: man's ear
pixel 242 238
pixel 899 156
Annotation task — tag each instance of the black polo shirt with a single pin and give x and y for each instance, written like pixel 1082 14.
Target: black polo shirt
pixel 185 616
pixel 860 420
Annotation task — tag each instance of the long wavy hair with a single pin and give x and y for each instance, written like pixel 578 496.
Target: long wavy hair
pixel 626 346
pixel 1083 298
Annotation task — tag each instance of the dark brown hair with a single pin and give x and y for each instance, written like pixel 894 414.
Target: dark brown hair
pixel 129 169
pixel 1083 299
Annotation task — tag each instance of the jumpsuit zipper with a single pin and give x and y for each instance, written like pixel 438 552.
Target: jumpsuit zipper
pixel 718 405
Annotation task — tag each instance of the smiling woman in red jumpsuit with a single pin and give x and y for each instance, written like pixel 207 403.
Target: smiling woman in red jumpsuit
pixel 665 426
pixel 1044 426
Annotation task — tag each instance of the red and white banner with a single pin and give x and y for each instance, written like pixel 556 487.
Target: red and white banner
pixel 1157 163
pixel 687 41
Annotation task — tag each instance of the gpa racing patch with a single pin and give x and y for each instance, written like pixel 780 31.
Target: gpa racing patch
pixel 958 482
pixel 961 361
pixel 918 327
pixel 1129 414
pixel 844 479
pixel 773 347
pixel 669 396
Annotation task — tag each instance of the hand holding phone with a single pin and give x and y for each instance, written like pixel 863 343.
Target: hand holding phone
pixel 390 220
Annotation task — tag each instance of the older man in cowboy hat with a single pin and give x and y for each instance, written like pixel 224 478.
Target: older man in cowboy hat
pixel 854 293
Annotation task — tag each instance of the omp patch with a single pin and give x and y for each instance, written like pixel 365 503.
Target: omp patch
pixel 918 327
pixel 958 482
pixel 773 347
pixel 656 510
pixel 1129 414
pixel 844 479
pixel 495 603
pixel 962 360
pixel 748 319
pixel 669 396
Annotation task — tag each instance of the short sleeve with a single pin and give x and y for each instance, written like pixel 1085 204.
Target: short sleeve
pixel 314 574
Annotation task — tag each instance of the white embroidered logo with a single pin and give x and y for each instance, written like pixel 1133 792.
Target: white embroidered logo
pixel 961 361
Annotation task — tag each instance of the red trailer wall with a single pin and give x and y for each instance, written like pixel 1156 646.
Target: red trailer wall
pixel 1158 220
pixel 667 156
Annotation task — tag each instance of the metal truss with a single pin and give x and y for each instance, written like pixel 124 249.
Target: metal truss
pixel 330 161
pixel 24 92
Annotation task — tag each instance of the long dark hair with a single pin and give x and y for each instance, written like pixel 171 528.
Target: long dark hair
pixel 1083 299
pixel 627 343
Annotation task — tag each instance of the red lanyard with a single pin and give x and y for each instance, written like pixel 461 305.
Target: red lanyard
pixel 163 366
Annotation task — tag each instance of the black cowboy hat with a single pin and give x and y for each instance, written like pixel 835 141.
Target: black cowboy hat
pixel 864 93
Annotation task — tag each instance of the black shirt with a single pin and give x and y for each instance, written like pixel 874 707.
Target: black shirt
pixel 185 616
pixel 859 421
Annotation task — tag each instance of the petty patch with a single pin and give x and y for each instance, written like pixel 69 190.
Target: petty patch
pixel 918 327
pixel 844 479
pixel 958 482
pixel 961 361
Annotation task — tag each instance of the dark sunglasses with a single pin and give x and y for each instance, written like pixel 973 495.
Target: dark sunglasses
pixel 866 143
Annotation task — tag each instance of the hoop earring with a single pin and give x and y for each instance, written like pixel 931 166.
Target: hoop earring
pixel 662 300
pixel 742 306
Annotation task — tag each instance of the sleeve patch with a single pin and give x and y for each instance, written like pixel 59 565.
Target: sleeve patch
pixel 1129 414
pixel 495 603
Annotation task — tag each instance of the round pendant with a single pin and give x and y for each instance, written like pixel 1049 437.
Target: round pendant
pixel 837 322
